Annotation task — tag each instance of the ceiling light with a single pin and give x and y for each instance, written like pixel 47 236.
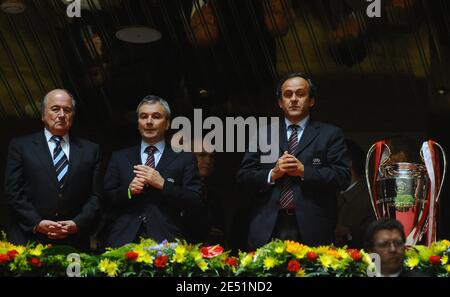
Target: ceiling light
pixel 13 6
pixel 138 34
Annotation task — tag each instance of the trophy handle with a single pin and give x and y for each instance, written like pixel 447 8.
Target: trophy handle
pixel 444 171
pixel 369 184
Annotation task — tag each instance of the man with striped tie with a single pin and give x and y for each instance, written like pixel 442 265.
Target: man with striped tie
pixel 295 197
pixel 148 186
pixel 52 180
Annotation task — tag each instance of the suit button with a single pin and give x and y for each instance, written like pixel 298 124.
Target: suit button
pixel 56 214
pixel 60 195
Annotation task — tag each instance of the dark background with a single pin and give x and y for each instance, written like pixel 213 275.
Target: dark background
pixel 376 77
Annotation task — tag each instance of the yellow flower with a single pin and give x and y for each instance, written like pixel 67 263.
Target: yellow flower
pixel 246 260
pixel 446 242
pixel 143 257
pixel 37 251
pixel 196 255
pixel 439 247
pixel 447 268
pixel 326 260
pixel 202 265
pixel 342 254
pixel 179 255
pixel 178 258
pixel 300 273
pixel 269 262
pixel 444 259
pixel 108 267
pixel 412 262
pixel 180 250
pixel 295 248
pixel 279 249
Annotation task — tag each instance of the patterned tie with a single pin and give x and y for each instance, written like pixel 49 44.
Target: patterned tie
pixel 287 193
pixel 60 161
pixel 150 150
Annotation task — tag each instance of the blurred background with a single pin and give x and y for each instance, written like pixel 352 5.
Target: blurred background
pixel 376 77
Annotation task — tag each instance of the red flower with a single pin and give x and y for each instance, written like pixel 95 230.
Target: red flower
pixel 232 261
pixel 356 255
pixel 12 254
pixel 435 260
pixel 294 266
pixel 4 258
pixel 34 261
pixel 131 256
pixel 211 251
pixel 160 262
pixel 311 256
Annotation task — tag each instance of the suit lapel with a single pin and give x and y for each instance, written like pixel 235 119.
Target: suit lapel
pixel 283 137
pixel 134 155
pixel 43 155
pixel 167 157
pixel 311 132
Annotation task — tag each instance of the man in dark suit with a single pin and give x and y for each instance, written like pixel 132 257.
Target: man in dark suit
pixel 52 180
pixel 355 211
pixel 149 185
pixel 295 198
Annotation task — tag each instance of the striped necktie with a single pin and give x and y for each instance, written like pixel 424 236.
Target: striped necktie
pixel 150 150
pixel 60 161
pixel 287 193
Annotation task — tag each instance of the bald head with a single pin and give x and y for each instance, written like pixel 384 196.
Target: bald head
pixel 58 108
pixel 57 93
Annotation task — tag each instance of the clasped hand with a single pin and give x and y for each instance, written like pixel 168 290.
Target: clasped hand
pixel 56 230
pixel 287 164
pixel 145 175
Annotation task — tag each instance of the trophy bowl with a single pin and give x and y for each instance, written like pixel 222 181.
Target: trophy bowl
pixel 405 191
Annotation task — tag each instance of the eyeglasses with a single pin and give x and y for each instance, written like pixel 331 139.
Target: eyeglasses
pixel 298 93
pixel 387 244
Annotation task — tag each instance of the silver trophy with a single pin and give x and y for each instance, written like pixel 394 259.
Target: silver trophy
pixel 403 190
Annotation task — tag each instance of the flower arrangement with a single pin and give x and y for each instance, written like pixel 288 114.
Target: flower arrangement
pixel 432 260
pixel 150 258
pixel 289 258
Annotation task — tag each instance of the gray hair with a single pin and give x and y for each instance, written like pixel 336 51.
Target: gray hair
pixel 152 99
pixel 45 100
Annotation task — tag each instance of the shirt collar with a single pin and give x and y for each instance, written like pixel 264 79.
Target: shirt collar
pixel 302 123
pixel 49 135
pixel 160 145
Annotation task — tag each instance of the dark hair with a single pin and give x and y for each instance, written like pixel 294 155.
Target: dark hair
pixel 312 92
pixel 381 224
pixel 357 157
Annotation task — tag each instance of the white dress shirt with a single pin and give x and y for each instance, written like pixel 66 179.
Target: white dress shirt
pixel 300 129
pixel 65 144
pixel 157 154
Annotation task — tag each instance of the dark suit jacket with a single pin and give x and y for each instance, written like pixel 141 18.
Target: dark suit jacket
pixel 355 212
pixel 33 193
pixel 159 210
pixel 322 151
